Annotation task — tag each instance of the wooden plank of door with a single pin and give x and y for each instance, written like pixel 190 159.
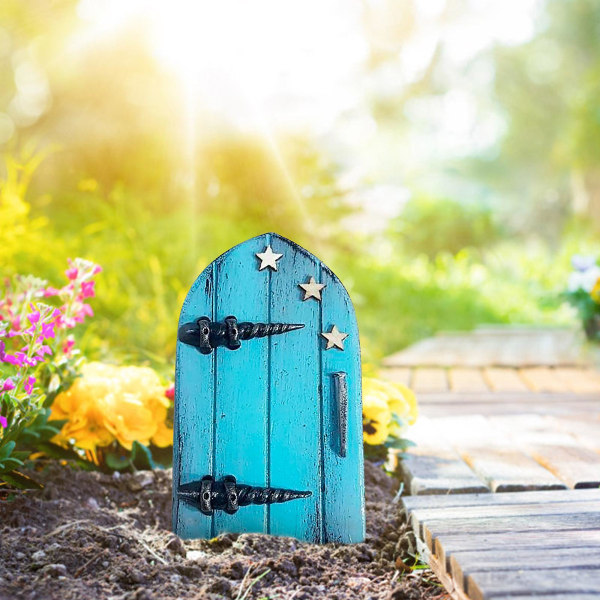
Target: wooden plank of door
pixel 430 380
pixel 194 405
pixel 464 564
pixel 467 380
pixel 504 380
pixel 481 586
pixel 420 517
pixel 242 383
pixel 543 379
pixel 295 399
pixel 343 484
pixel 447 545
pixel 551 524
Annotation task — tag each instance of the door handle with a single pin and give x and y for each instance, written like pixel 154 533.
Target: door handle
pixel 340 386
pixel 207 335
pixel 209 495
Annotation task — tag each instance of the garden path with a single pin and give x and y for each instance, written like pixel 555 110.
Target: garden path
pixel 515 411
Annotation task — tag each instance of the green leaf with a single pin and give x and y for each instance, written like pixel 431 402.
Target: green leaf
pixel 11 463
pixel 20 481
pixel 56 451
pixel 141 457
pixel 6 450
pixel 117 461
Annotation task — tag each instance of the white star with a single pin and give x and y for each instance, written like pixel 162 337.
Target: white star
pixel 268 258
pixel 335 338
pixel 312 289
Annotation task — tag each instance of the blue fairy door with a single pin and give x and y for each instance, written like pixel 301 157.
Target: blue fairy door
pixel 268 419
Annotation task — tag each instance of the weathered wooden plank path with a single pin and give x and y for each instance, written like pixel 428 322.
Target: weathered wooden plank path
pixel 505 476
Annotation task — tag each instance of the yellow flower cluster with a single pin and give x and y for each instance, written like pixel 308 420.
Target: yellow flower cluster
pixel 109 403
pixel 388 408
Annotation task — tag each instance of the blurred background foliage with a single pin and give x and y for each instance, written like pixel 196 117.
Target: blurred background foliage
pixel 444 160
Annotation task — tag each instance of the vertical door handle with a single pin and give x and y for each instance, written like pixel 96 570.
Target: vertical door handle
pixel 340 386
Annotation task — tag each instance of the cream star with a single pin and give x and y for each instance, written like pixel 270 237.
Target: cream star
pixel 268 258
pixel 335 338
pixel 312 289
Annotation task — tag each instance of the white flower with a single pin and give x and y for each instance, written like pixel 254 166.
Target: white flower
pixel 584 280
pixel 580 262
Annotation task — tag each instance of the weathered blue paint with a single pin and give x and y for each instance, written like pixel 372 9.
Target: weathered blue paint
pixel 267 413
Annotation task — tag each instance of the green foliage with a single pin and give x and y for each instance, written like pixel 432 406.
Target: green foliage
pixel 430 226
pixel 140 457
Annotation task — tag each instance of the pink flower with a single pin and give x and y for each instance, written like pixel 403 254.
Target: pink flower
pixel 71 272
pixel 68 345
pixel 17 359
pixel 87 289
pixel 47 331
pixel 34 316
pixel 7 386
pixel 3 422
pixel 170 392
pixel 43 349
pixel 97 269
pixel 29 384
pixel 50 291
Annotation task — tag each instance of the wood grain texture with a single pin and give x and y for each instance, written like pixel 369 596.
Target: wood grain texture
pixel 264 413
pixel 343 482
pixel 193 432
pixel 553 524
pixel 464 564
pixel 467 380
pixel 448 544
pixel 504 380
pixel 295 422
pixel 242 383
pixel 576 580
pixel 430 380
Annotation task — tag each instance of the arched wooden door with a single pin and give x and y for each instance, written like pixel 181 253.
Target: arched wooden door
pixel 271 413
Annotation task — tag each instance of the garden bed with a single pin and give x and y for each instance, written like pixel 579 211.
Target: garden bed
pixel 90 535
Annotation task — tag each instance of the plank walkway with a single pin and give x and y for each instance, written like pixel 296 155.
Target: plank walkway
pixel 505 475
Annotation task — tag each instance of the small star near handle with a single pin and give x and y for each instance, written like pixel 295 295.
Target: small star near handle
pixel 312 289
pixel 335 338
pixel 268 258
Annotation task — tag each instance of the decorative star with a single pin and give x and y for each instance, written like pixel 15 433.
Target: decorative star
pixel 312 289
pixel 268 258
pixel 335 338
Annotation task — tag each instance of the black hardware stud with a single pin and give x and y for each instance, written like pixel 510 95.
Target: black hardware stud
pixel 209 495
pixel 207 335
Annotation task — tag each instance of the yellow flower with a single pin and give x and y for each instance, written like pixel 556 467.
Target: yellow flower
pixel 595 293
pixel 399 401
pixel 376 417
pixel 109 403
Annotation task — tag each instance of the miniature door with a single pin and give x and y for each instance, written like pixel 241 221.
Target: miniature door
pixel 268 418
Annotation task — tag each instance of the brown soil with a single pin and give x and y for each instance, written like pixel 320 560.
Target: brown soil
pixel 89 535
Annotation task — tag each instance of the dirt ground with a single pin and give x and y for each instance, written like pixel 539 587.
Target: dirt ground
pixel 90 535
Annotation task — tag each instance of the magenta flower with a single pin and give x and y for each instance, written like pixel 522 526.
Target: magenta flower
pixel 68 345
pixel 34 317
pixel 47 331
pixel 87 289
pixel 17 359
pixel 3 422
pixel 170 392
pixel 71 273
pixel 29 384
pixel 7 385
